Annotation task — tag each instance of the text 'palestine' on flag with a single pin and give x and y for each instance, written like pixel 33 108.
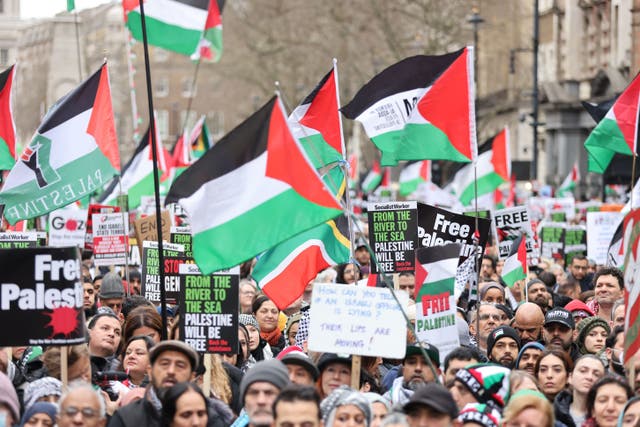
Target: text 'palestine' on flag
pixel 441 126
pixel 175 25
pixel 252 190
pixel 7 125
pixel 436 269
pixel 515 266
pixel 617 132
pixel 73 153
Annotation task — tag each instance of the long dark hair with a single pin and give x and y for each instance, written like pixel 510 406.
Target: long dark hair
pixel 170 400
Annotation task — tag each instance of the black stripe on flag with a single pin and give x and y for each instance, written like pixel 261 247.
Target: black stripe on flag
pixel 433 254
pixel 515 245
pixel 75 102
pixel 199 4
pixel 412 73
pixel 240 146
pixel 316 89
pixel 4 76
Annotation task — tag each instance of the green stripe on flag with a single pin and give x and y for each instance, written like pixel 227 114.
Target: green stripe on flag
pixel 164 35
pixel 513 276
pixel 486 184
pixel 319 151
pixel 6 160
pixel 425 141
pixel 436 288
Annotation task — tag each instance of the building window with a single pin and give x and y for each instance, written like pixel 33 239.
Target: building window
pixel 187 90
pixel 160 55
pixel 162 87
pixel 4 56
pixel 162 117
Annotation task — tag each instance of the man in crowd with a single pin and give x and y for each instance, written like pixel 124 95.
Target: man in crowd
pixel 458 359
pixel 407 282
pixel 297 406
pixel 112 293
pixel 259 388
pixel 503 346
pixel 579 311
pixel 579 270
pixel 539 294
pixel 528 322
pixel 608 287
pixel 559 328
pixel 416 372
pixel 105 332
pixel 528 356
pixel 488 268
pixel 81 405
pixel 481 322
pixel 302 370
pixel 431 406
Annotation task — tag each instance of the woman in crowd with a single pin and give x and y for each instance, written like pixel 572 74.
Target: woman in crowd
pixel 345 407
pixel 529 408
pixel 78 362
pixel 522 380
pixel 605 401
pixel 135 360
pixel 570 406
pixel 552 371
pixel 291 328
pixel 347 273
pixel 335 371
pixel 184 405
pixel 380 408
pixel 247 294
pixel 143 320
pixel 41 414
pixel 266 314
pixel 259 349
pixel 630 415
pixel 592 335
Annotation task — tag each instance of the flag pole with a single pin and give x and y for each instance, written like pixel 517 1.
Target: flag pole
pixel 633 177
pixel 75 19
pixel 191 95
pixel 156 179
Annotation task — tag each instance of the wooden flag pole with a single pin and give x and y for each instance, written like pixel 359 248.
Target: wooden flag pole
pixel 206 377
pixel 156 179
pixel 64 367
pixel 191 95
pixel 356 365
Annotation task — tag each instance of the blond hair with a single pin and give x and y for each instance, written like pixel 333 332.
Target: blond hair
pixel 529 399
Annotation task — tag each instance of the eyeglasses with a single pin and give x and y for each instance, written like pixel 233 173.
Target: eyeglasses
pixel 72 411
pixel 496 317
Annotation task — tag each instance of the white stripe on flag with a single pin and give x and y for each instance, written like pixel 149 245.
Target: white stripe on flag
pixel 175 13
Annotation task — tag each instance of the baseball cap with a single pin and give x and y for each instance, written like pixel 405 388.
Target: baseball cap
pixel 435 396
pixel 577 305
pixel 294 355
pixel 431 350
pixel 561 316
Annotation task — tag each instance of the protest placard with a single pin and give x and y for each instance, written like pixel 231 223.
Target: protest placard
pixel 146 228
pixel 575 242
pixel 18 240
pixel 560 204
pixel 631 266
pixel 600 227
pixel 435 301
pixel 182 236
pixel 437 227
pixel 150 271
pixel 209 309
pixel 357 320
pixel 110 239
pixel 41 297
pixel 510 222
pixel 551 236
pixel 88 236
pixel 392 235
pixel 67 227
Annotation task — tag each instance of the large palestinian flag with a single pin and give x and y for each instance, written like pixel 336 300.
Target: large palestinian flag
pixel 7 125
pixel 210 45
pixel 73 153
pixel 617 132
pixel 254 189
pixel 284 271
pixel 436 269
pixel 137 175
pixel 493 168
pixel 515 266
pixel 420 108
pixel 175 25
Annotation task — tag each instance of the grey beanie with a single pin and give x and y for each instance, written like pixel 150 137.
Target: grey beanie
pixel 271 371
pixel 111 286
pixel 341 396
pixel 248 319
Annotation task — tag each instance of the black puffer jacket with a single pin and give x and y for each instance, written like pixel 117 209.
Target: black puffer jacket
pixel 561 406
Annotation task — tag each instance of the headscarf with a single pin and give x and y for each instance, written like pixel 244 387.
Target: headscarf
pixel 40 408
pixel 46 386
pixel 341 396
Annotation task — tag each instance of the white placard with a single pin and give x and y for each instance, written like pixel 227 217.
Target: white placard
pixel 600 227
pixel 355 320
pixel 67 227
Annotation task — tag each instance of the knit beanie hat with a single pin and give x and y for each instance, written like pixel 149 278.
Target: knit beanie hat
pixel 9 397
pixel 488 382
pixel 586 326
pixel 111 286
pixel 40 408
pixel 248 319
pixel 532 344
pixel 502 332
pixel 45 386
pixel 341 396
pixel 271 371
pixel 481 414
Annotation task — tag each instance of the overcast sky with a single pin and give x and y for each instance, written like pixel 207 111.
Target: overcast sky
pixel 42 9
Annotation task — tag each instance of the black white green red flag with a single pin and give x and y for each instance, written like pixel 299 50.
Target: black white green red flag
pixel 73 153
pixel 254 189
pixel 373 178
pixel 420 108
pixel 210 45
pixel 617 132
pixel 7 125
pixel 570 182
pixel 414 174
pixel 515 266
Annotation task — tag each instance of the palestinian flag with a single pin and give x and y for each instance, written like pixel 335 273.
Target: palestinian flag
pixel 373 178
pixel 7 125
pixel 414 174
pixel 617 132
pixel 436 269
pixel 254 189
pixel 316 124
pixel 200 139
pixel 442 124
pixel 137 174
pixel 73 153
pixel 174 25
pixel 615 253
pixel 210 45
pixel 493 168
pixel 283 272
pixel 569 183
pixel 515 266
